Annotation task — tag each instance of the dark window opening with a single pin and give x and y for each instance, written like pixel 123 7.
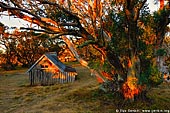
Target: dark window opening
pixel 44 66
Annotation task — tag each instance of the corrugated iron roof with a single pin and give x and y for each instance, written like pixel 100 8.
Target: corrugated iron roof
pixel 52 57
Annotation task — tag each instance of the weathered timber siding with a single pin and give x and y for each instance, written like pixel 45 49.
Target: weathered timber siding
pixel 45 77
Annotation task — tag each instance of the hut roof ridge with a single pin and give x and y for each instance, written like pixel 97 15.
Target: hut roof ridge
pixel 53 59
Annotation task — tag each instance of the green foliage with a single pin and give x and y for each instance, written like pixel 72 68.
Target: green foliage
pixel 143 79
pixel 159 16
pixel 142 46
pixel 151 76
pixel 86 43
pixel 155 77
pixel 168 63
pixel 145 14
pixel 98 65
pixel 94 64
pixel 146 52
pixel 161 52
pixel 119 40
pixel 106 66
pixel 60 16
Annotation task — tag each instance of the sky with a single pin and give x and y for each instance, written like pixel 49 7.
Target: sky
pixel 13 22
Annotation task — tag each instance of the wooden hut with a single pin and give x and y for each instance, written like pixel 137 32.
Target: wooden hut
pixel 48 70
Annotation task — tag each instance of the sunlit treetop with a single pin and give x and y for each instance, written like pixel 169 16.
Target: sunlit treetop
pixel 61 15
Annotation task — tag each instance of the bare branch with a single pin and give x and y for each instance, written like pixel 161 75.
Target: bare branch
pixel 6 7
pixel 78 24
pixel 59 7
pixel 137 9
pixel 39 30
pixel 69 24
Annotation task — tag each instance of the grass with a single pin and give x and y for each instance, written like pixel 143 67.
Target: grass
pixel 82 96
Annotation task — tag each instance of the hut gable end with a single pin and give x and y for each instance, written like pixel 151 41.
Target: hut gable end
pixel 49 70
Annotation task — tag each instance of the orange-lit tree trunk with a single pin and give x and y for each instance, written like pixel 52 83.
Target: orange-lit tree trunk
pixel 161 4
pixel 130 87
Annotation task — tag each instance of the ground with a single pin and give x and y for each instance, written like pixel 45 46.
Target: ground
pixel 81 96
